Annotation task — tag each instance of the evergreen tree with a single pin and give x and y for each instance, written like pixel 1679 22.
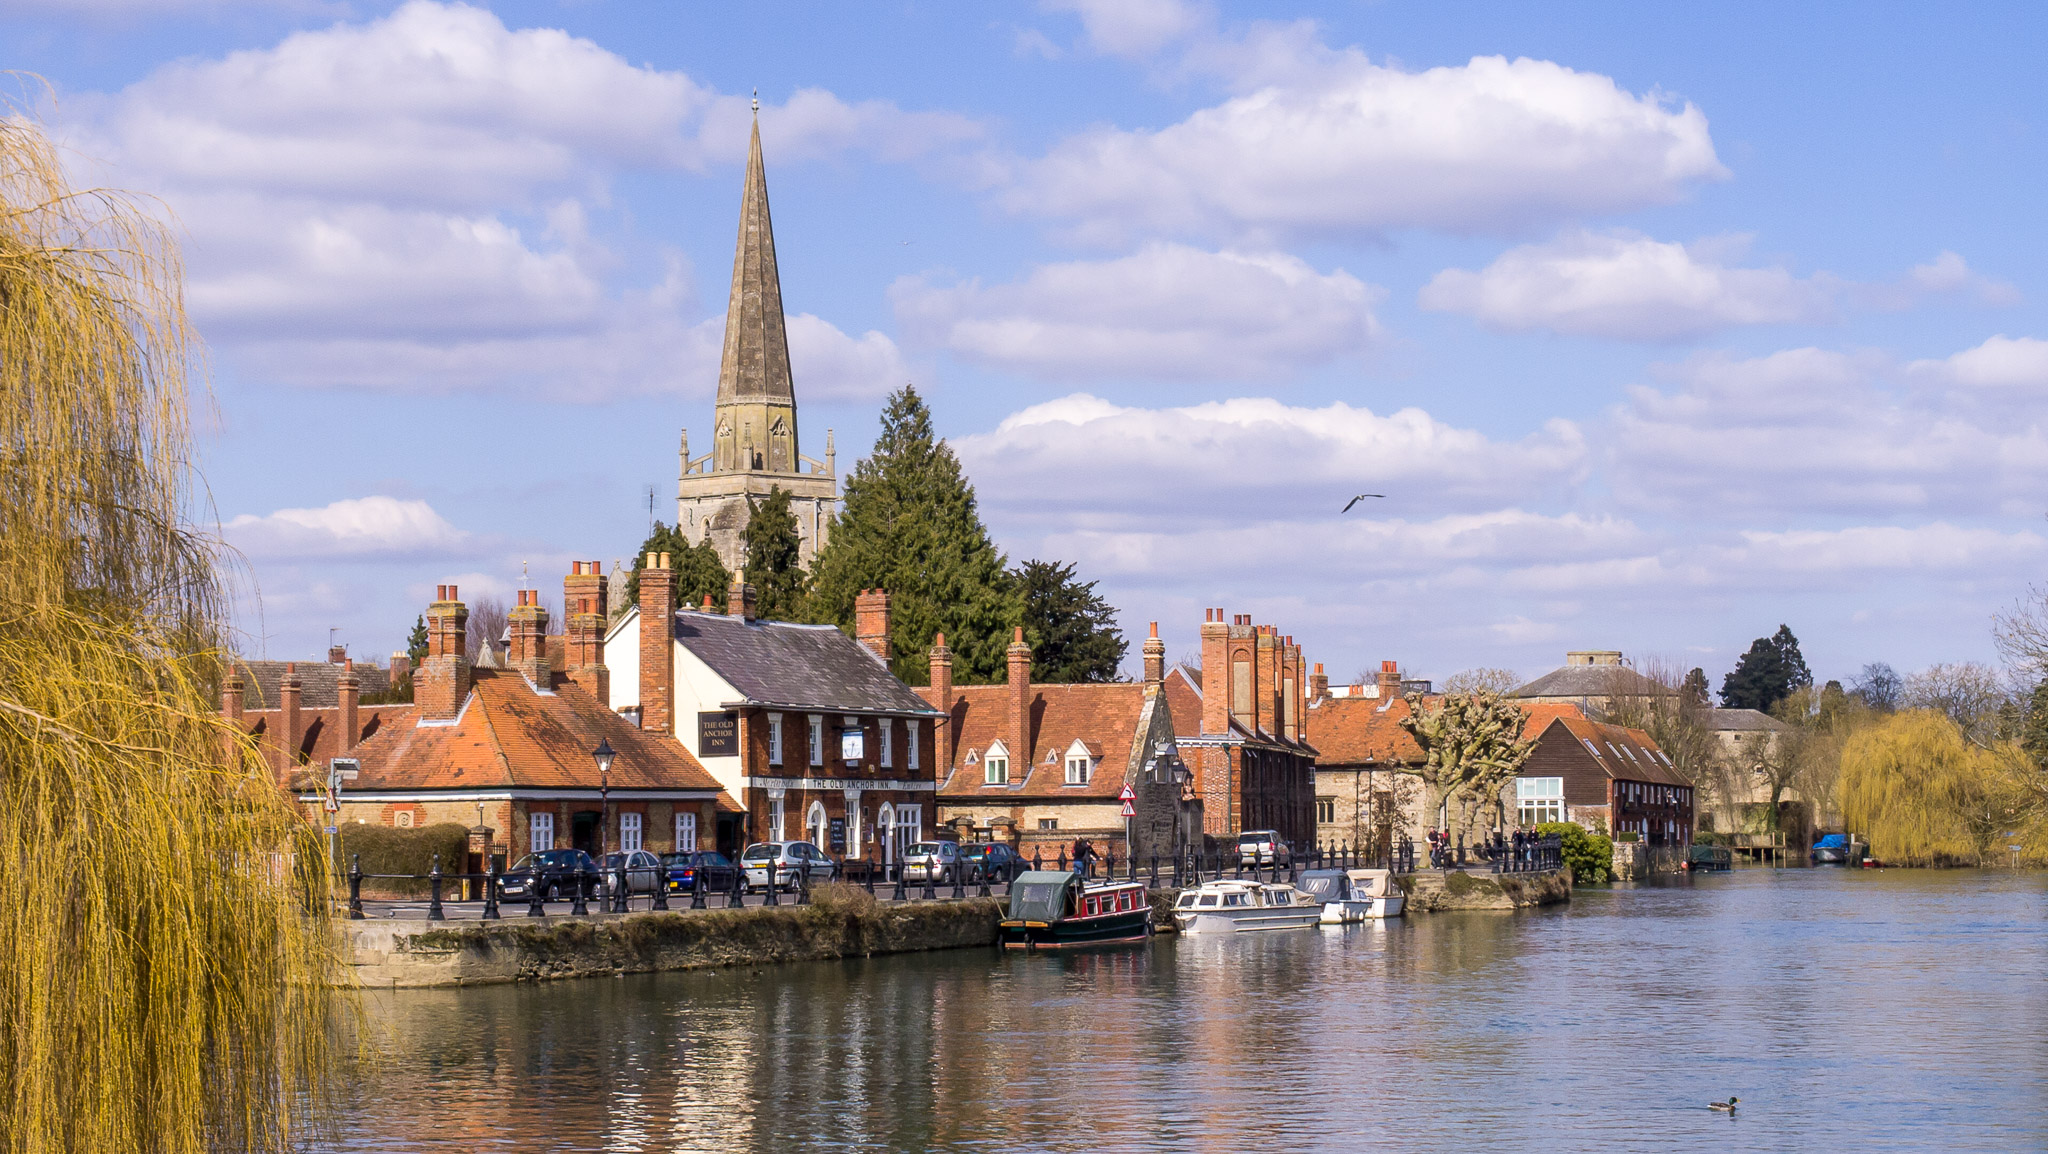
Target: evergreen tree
pixel 1767 674
pixel 774 564
pixel 416 641
pixel 909 525
pixel 1072 630
pixel 695 569
pixel 1694 693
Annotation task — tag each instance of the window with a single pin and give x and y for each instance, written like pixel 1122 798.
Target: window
pixel 775 819
pixel 996 769
pixel 541 831
pixel 1048 823
pixel 1078 769
pixel 774 739
pixel 817 736
pixel 910 738
pixel 1590 747
pixel 888 728
pixel 909 824
pixel 1538 799
pixel 629 832
pixel 1326 810
pixel 686 832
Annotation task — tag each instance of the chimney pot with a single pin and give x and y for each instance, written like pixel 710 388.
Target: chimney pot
pixel 1155 657
pixel 871 621
pixel 584 605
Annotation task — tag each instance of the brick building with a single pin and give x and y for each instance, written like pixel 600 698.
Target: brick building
pixel 1240 730
pixel 1039 766
pixel 295 734
pixel 803 725
pixel 1605 777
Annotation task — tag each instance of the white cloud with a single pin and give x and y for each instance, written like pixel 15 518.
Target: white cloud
pixel 1135 28
pixel 1167 312
pixel 1950 273
pixel 357 528
pixel 1345 146
pixel 2000 363
pixel 1627 286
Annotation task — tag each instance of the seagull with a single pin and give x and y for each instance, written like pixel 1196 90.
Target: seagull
pixel 1727 1107
pixel 1357 499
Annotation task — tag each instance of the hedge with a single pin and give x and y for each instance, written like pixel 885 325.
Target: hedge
pixel 388 850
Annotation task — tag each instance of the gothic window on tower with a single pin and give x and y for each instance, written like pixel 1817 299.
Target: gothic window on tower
pixel 778 446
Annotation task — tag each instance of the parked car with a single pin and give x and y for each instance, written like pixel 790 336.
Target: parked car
pixel 933 860
pixel 1261 847
pixel 554 874
pixel 683 869
pixel 642 869
pixel 997 862
pixel 789 857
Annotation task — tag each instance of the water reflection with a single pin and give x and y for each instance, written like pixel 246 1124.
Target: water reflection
pixel 1893 1011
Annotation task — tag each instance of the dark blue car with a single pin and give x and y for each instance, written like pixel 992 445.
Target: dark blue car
pixel 683 869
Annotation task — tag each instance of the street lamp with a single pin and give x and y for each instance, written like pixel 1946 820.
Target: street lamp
pixel 603 755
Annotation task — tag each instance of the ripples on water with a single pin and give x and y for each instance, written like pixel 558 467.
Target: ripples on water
pixel 1849 1011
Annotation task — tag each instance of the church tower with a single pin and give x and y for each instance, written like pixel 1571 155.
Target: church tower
pixel 754 434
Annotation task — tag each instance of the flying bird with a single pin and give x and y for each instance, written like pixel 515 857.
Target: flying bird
pixel 1357 499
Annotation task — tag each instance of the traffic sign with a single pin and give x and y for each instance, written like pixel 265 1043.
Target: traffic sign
pixel 1127 797
pixel 333 806
pixel 1130 810
pixel 332 829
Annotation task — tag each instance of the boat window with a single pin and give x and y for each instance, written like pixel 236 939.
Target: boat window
pixel 1127 900
pixel 1208 899
pixel 1233 899
pixel 1187 901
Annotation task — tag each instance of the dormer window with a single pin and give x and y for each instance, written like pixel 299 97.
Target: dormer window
pixel 995 769
pixel 1080 764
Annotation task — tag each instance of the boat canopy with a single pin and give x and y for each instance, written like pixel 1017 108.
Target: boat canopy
pixel 1832 841
pixel 1324 885
pixel 1372 883
pixel 1041 895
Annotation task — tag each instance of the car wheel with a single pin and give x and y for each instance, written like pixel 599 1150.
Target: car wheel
pixel 554 892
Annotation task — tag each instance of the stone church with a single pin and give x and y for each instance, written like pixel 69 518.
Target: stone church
pixel 754 440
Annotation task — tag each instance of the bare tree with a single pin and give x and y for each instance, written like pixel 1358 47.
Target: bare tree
pixel 1969 693
pixel 487 619
pixel 2021 632
pixel 1879 685
pixel 1501 681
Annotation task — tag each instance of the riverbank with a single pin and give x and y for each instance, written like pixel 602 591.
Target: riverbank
pixel 1440 891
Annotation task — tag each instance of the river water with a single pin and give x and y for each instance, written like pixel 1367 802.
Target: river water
pixel 1867 1010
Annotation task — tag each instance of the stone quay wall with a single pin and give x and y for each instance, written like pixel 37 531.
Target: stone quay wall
pixel 412 953
pixel 1434 891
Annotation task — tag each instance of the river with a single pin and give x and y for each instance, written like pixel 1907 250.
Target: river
pixel 1869 1010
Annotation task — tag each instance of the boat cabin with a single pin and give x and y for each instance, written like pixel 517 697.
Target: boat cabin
pixel 1051 909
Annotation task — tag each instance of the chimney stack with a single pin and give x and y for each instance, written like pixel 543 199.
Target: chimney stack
pixel 940 659
pixel 292 722
pixel 1266 698
pixel 584 596
pixel 739 599
pixel 1389 683
pixel 1155 657
pixel 337 654
pixel 401 665
pixel 231 696
pixel 657 645
pixel 349 692
pixel 441 684
pixel 871 621
pixel 528 622
pixel 1019 736
pixel 1319 684
pixel 1215 672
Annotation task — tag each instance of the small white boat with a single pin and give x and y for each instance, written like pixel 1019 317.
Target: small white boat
pixel 1383 897
pixel 1353 895
pixel 1232 906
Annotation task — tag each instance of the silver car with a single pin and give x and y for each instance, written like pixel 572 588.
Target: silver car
pixel 642 870
pixel 1260 847
pixel 930 860
pixel 789 857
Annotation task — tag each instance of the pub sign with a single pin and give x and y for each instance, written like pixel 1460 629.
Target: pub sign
pixel 718 734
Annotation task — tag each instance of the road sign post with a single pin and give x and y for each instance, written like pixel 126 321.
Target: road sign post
pixel 339 769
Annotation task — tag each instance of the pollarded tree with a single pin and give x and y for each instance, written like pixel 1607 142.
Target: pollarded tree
pixel 1473 747
pixel 909 525
pixel 1766 674
pixel 1072 630
pixel 774 565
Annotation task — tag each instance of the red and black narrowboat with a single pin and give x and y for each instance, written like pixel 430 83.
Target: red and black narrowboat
pixel 1052 910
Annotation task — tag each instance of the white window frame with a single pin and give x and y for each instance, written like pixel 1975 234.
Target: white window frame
pixel 1538 800
pixel 909 824
pixel 1079 769
pixel 540 830
pixel 888 727
pixel 995 766
pixel 776 814
pixel 632 832
pixel 911 738
pixel 818 826
pixel 885 832
pixel 817 738
pixel 774 739
pixel 686 830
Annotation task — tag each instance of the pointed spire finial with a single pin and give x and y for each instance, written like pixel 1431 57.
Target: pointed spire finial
pixel 757 102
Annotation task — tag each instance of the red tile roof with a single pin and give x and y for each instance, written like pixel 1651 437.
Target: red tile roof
pixel 1368 730
pixel 1101 717
pixel 1622 753
pixel 320 738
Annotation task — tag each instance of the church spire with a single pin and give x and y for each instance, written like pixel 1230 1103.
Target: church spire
pixel 755 365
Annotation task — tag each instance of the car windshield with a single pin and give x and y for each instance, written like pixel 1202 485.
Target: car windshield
pixel 560 857
pixel 614 859
pixel 926 848
pixel 675 859
pixel 526 863
pixel 1250 838
pixel 760 852
pixel 712 859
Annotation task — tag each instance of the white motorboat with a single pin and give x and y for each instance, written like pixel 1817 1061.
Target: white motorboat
pixel 1353 895
pixel 1233 906
pixel 1382 895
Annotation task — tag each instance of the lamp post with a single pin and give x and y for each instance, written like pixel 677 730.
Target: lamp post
pixel 603 756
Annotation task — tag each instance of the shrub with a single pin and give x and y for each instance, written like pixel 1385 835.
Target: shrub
pixel 1630 837
pixel 1589 855
pixel 388 850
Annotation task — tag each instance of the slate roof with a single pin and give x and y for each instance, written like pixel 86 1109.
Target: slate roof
pixel 1583 681
pixel 321 738
pixel 1741 721
pixel 798 667
pixel 1348 731
pixel 319 683
pixel 1106 718
pixel 509 736
pixel 1622 753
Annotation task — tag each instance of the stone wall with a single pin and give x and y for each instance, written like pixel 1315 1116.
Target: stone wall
pixel 1440 890
pixel 414 953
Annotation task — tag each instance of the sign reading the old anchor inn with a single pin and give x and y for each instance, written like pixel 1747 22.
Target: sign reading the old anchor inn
pixel 718 734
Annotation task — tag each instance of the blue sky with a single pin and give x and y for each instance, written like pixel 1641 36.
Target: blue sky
pixel 1657 327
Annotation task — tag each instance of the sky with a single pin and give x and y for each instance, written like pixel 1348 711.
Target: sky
pixel 1657 327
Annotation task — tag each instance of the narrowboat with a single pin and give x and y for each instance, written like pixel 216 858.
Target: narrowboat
pixel 1232 906
pixel 1056 910
pixel 1353 895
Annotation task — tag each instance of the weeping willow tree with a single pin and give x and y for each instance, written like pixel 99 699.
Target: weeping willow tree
pixel 166 956
pixel 1925 795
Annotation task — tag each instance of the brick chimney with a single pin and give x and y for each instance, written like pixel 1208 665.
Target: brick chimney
pixel 441 684
pixel 291 723
pixel 231 696
pixel 1318 684
pixel 337 654
pixel 1155 657
pixel 657 645
pixel 1018 735
pixel 584 596
pixel 871 621
pixel 1290 688
pixel 528 624
pixel 348 690
pixel 401 664
pixel 1267 695
pixel 1389 683
pixel 739 600
pixel 1242 687
pixel 940 659
pixel 1215 672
